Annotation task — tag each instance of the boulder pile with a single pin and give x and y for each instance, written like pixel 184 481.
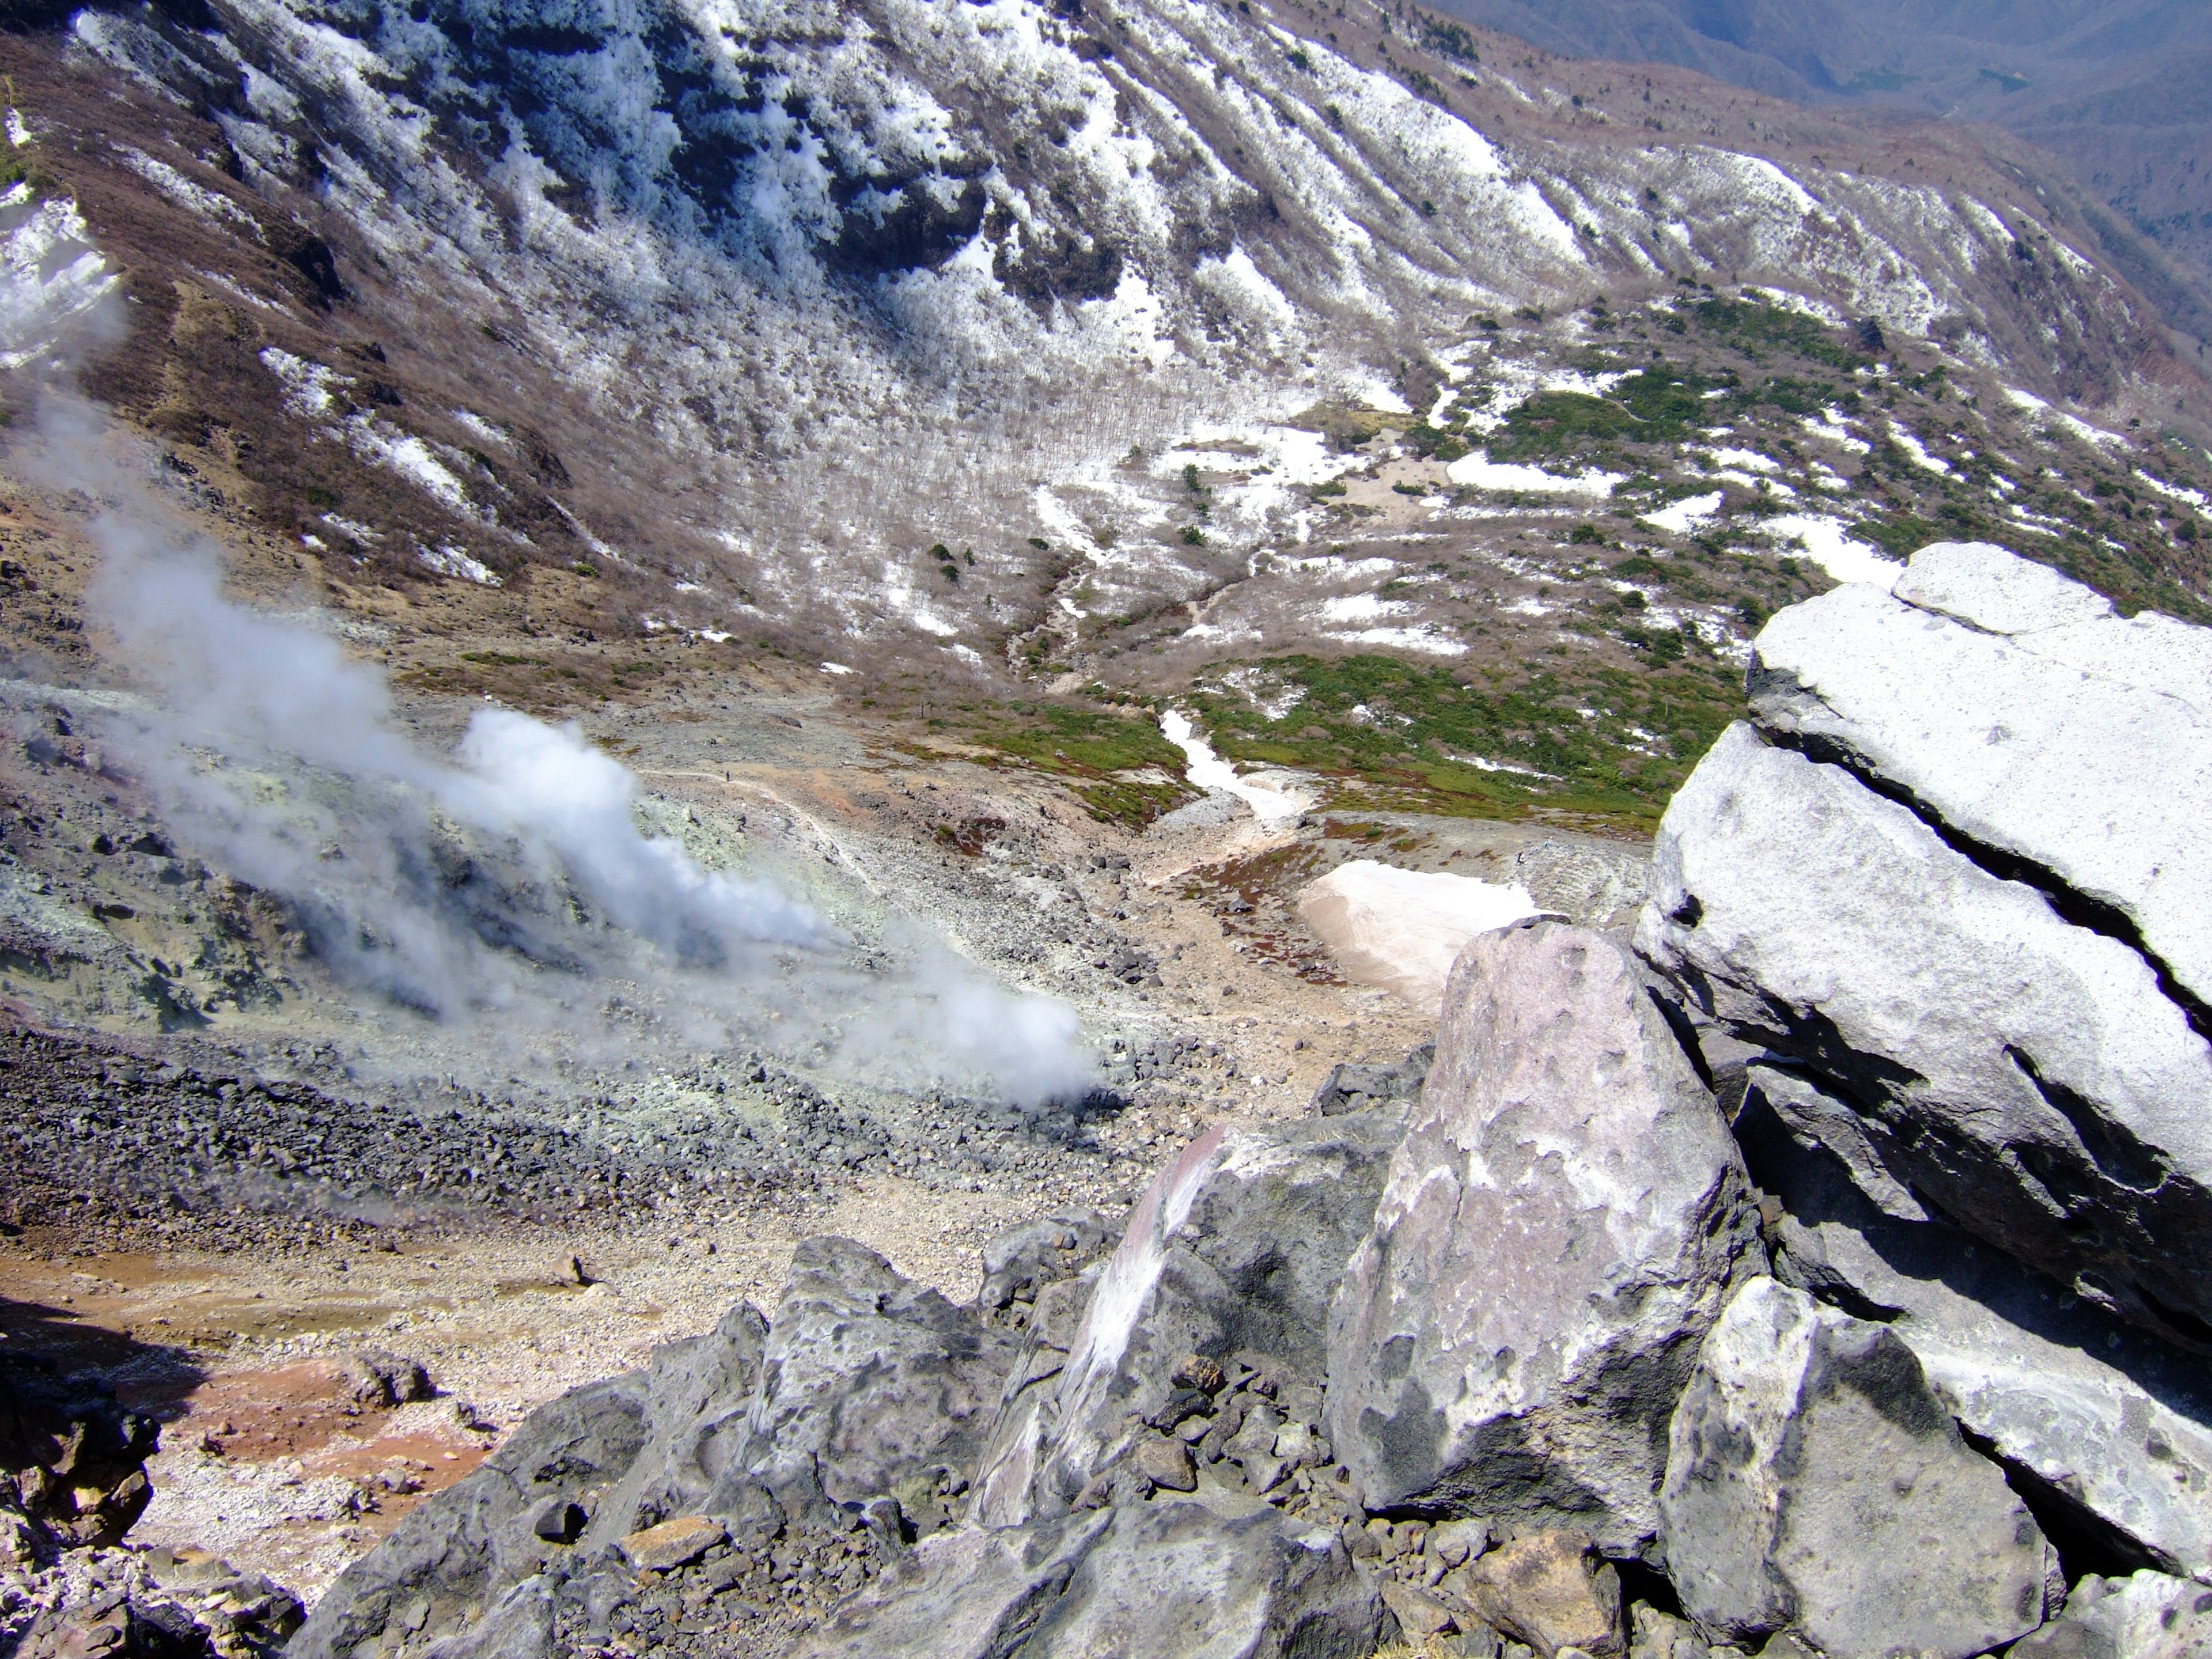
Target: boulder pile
pixel 1820 1273
pixel 72 1482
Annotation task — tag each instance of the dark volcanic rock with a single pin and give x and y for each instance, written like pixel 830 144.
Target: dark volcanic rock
pixel 1237 1247
pixel 799 1452
pixel 1162 1579
pixel 868 1382
pixel 72 1459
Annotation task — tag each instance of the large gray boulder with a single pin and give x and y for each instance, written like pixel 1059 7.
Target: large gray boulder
pixel 1562 1224
pixel 2107 1430
pixel 869 1387
pixel 2026 1076
pixel 1815 1484
pixel 1237 1247
pixel 2146 1615
pixel 868 1382
pixel 1169 1580
pixel 2016 706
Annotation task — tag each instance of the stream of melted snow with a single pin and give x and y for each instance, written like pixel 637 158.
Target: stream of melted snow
pixel 1207 770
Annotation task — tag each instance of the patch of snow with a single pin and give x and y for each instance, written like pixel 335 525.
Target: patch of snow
pixel 2191 497
pixel 1909 442
pixel 1827 542
pixel 450 561
pixel 1478 472
pixel 834 668
pixel 1832 428
pixel 1207 770
pixel 1401 929
pixel 1691 514
pixel 185 193
pixel 360 532
pixel 1359 608
pixel 1426 639
pixel 477 427
pixel 51 279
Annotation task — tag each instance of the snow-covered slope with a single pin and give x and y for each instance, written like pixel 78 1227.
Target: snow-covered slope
pixel 789 292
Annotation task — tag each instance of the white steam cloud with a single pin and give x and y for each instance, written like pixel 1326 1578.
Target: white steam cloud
pixel 510 881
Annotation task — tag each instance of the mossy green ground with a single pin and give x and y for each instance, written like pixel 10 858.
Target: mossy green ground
pixel 1599 746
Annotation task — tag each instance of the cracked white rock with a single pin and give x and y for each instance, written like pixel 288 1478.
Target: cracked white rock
pixel 2026 1076
pixel 2018 708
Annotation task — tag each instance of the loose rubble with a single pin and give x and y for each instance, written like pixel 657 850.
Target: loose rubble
pixel 1676 1308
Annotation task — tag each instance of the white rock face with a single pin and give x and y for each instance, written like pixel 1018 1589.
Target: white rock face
pixel 2118 1428
pixel 1814 1484
pixel 2146 1615
pixel 2024 1076
pixel 2016 706
pixel 1561 1225
pixel 1401 929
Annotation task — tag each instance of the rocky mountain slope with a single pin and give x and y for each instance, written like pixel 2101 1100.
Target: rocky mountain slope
pixel 2115 91
pixel 819 293
pixel 1745 1288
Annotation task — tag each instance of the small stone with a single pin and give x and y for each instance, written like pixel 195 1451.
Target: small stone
pixel 1457 1542
pixel 1420 1614
pixel 672 1543
pixel 1166 1464
pixel 1192 1430
pixel 1201 1373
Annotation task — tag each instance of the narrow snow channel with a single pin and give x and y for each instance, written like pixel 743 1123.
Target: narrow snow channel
pixel 1207 770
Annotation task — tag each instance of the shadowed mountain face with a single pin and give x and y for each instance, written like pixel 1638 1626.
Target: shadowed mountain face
pixel 2121 90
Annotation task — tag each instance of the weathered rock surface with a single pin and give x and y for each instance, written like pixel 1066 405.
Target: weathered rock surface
pixel 2025 1077
pixel 2146 1615
pixel 1816 1485
pixel 868 1381
pixel 1562 1224
pixel 1352 1087
pixel 1022 1262
pixel 2017 707
pixel 1166 1579
pixel 1550 1590
pixel 869 1386
pixel 1237 1248
pixel 2113 1429
pixel 144 1604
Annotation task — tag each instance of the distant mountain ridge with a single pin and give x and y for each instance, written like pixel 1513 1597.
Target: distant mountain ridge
pixel 2121 90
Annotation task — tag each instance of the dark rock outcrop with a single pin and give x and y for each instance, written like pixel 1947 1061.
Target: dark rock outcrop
pixel 72 1459
pixel 1234 1251
pixel 1163 1579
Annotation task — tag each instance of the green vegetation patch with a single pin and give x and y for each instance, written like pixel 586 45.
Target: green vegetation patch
pixel 1419 738
pixel 1661 405
pixel 1086 749
pixel 1758 329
